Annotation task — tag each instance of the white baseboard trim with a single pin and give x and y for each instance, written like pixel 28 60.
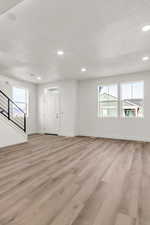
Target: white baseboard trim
pixel 140 139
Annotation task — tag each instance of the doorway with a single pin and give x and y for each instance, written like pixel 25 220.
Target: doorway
pixel 52 111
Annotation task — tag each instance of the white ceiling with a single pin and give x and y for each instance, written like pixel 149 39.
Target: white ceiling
pixel 5 5
pixel 102 35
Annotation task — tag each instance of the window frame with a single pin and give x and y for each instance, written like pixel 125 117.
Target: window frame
pixel 98 103
pixel 119 105
pixel 27 99
pixel 130 82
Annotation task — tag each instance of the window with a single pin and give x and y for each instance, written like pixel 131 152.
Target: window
pixel 132 99
pixel 108 101
pixel 20 97
pixel 125 100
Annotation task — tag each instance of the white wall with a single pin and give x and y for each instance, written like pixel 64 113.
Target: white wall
pixel 10 134
pixel 68 102
pixel 79 108
pixel 123 128
pixel 6 85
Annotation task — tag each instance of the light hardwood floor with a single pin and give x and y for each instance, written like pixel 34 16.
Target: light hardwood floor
pixel 75 181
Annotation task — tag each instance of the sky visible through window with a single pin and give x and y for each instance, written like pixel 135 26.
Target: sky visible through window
pixel 133 90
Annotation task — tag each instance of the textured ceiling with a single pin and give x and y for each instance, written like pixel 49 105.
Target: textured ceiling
pixel 103 36
pixel 5 5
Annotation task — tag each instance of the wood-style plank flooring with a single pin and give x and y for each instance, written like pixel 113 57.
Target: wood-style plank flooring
pixel 75 181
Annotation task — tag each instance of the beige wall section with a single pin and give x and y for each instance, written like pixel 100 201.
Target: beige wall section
pixel 124 128
pixel 6 85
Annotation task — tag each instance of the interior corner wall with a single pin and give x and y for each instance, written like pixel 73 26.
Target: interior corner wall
pixel 6 85
pixel 119 128
pixel 68 103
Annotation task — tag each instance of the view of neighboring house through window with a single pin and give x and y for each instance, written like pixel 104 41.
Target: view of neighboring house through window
pixel 20 97
pixel 132 99
pixel 125 99
pixel 108 101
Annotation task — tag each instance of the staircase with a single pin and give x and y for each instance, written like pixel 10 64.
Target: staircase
pixel 12 112
pixel 12 122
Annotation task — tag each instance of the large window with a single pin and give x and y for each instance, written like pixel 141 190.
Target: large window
pixel 132 99
pixel 20 97
pixel 108 101
pixel 121 100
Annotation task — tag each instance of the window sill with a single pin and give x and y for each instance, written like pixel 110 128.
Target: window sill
pixel 122 118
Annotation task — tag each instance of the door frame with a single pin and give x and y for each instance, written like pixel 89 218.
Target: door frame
pixel 59 113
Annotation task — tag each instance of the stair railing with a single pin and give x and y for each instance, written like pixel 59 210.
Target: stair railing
pixel 12 112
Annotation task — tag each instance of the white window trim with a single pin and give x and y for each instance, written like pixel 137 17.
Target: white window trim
pixel 119 113
pixel 129 82
pixel 27 97
pixel 98 112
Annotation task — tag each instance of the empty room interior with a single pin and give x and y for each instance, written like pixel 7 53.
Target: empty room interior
pixel 74 112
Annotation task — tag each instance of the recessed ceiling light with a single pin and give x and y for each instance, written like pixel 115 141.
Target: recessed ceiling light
pixel 146 28
pixel 83 70
pixel 145 58
pixel 39 78
pixel 60 52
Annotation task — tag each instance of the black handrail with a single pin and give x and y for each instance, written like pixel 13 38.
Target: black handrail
pixel 11 101
pixel 7 113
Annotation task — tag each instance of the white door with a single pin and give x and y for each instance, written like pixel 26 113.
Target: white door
pixel 52 111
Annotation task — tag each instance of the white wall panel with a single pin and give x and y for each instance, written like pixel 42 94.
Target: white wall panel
pixel 123 128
